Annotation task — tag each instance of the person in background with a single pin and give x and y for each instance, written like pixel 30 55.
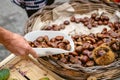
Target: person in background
pixel 15 43
pixel 32 6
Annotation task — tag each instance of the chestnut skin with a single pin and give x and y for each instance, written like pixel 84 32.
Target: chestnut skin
pixel 66 22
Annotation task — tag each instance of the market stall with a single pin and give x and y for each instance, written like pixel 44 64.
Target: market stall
pixel 94 28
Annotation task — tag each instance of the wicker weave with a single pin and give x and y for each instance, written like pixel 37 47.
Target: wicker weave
pixel 100 72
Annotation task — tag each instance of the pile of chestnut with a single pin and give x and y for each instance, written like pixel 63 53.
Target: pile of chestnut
pixel 85 44
pixel 91 22
pixel 56 42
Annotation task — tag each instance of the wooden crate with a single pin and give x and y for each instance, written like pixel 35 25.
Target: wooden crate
pixel 26 69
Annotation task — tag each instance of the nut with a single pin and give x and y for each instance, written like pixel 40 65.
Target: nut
pixel 100 22
pixel 77 20
pixel 52 40
pixel 94 15
pixel 46 38
pixel 79 49
pixel 40 39
pixel 84 58
pixel 65 41
pixel 72 19
pixel 61 45
pixel 68 47
pixel 90 63
pixel 62 26
pixel 66 22
pixel 59 38
pixel 73 53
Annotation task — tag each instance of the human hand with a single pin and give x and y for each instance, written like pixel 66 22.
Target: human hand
pixel 19 46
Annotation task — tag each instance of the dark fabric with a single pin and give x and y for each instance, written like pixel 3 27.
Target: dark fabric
pixel 30 4
pixel 49 2
pixel 31 12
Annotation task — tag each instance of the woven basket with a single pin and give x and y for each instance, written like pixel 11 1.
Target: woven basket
pixel 92 73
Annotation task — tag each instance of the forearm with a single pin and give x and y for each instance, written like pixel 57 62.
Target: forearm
pixel 5 35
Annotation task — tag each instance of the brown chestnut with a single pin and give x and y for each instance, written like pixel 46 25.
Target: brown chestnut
pixel 105 22
pixel 46 38
pixel 100 22
pixel 115 47
pixel 86 52
pixel 62 26
pixel 66 22
pixel 40 39
pixel 100 53
pixel 79 49
pixel 64 60
pixel 61 45
pixel 73 53
pixel 77 20
pixel 65 41
pixel 68 47
pixel 94 15
pixel 86 23
pixel 59 38
pixel 90 63
pixel 84 58
pixel 72 19
pixel 52 40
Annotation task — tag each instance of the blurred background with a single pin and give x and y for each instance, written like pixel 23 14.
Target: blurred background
pixel 13 18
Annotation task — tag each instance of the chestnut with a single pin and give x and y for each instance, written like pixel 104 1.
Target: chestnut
pixel 86 23
pixel 72 19
pixel 65 41
pixel 97 18
pixel 52 40
pixel 40 39
pixel 79 49
pixel 36 43
pixel 86 45
pixel 56 28
pixel 77 20
pixel 100 22
pixel 94 24
pixel 115 47
pixel 44 45
pixel 86 19
pixel 94 15
pixel 61 45
pixel 84 58
pixel 53 45
pixel 86 52
pixel 66 22
pixel 64 60
pixel 101 53
pixel 59 38
pixel 90 63
pixel 110 24
pixel 89 26
pixel 73 53
pixel 47 28
pixel 106 18
pixel 62 26
pixel 68 47
pixel 105 22
pixel 46 38
pixel 91 47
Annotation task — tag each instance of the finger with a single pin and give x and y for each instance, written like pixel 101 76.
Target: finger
pixel 33 53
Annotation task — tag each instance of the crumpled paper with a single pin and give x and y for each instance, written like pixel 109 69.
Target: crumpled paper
pixel 64 9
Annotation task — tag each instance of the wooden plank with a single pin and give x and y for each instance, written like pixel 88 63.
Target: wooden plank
pixel 29 66
pixel 14 74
